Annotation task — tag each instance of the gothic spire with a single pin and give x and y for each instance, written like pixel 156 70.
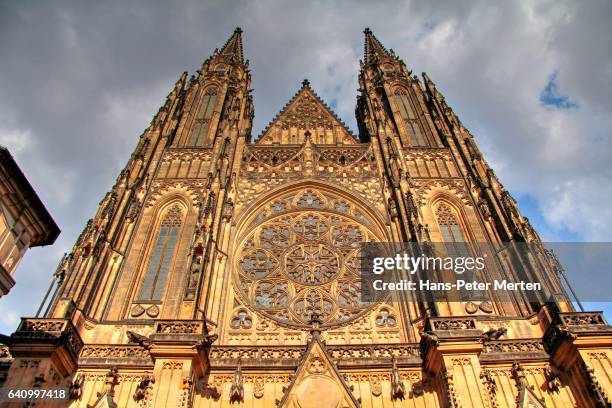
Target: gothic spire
pixel 373 48
pixel 233 47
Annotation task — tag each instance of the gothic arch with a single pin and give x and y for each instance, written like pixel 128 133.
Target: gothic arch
pixel 187 192
pixel 456 206
pixel 250 213
pixel 211 89
pixel 197 100
pixel 149 232
pixel 408 110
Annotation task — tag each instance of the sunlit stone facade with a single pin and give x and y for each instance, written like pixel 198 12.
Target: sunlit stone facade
pixel 223 269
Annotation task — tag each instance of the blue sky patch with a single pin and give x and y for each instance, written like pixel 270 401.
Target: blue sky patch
pixel 530 207
pixel 551 95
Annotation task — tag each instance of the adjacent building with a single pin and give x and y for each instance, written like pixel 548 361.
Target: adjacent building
pixel 24 220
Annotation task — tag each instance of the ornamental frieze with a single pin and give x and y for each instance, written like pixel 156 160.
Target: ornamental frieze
pixel 219 379
pixel 515 346
pixel 114 352
pixel 368 189
pixel 455 187
pixel 260 161
pixel 184 163
pixel 380 354
pixel 200 153
pixel 192 189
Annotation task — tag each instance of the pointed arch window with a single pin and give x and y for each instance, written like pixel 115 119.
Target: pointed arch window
pixel 201 127
pixel 159 264
pixel 456 246
pixel 409 119
pixel 453 236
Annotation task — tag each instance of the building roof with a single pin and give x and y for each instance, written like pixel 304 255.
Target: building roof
pixel 46 230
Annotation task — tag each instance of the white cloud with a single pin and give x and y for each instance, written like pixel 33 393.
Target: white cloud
pixel 16 140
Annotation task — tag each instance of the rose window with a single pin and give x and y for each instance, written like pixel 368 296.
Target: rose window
pixel 303 259
pixel 311 264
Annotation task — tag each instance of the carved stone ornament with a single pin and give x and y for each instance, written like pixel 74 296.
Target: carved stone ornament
pixel 237 387
pixel 495 334
pixel 418 388
pixel 316 366
pixel 552 379
pixel 258 390
pixel 398 390
pixel 471 307
pixel 135 338
pixel 376 388
pixel 143 387
pixel 137 311
pixel 153 311
pixel 75 388
pixel 486 306
pixel 298 262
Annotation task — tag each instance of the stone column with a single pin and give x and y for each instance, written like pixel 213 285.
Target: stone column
pixel 450 348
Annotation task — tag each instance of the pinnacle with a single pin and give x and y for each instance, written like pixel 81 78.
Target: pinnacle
pixel 305 83
pixel 373 48
pixel 233 47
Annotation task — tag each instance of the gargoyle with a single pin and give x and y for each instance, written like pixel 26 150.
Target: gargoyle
pixel 206 341
pixel 75 388
pixel 139 339
pixel 494 334
pixel 429 336
pixel 143 386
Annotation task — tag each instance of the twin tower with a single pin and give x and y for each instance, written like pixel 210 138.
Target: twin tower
pixel 223 270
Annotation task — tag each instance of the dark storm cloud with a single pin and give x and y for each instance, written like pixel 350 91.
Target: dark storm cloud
pixel 79 81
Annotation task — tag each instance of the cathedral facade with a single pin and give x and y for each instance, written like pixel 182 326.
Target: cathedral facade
pixel 223 270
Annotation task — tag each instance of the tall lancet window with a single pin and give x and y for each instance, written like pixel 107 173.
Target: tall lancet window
pixel 157 272
pixel 456 245
pixel 201 126
pixel 409 119
pixel 453 237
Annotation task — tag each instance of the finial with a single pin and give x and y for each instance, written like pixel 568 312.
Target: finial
pixel 367 30
pixel 315 323
pixel 238 30
pixel 305 83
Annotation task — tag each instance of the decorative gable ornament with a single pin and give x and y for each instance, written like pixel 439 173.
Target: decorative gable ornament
pixel 306 113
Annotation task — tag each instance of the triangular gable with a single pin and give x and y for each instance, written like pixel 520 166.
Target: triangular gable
pixel 306 112
pixel 528 399
pixel 317 382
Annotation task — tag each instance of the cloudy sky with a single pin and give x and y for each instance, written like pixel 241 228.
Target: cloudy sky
pixel 79 81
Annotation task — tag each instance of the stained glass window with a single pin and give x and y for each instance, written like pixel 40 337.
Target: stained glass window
pixel 455 243
pixel 409 119
pixel 201 127
pixel 159 264
pixel 452 235
pixel 303 260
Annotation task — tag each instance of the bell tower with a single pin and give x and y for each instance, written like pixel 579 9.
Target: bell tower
pixel 139 268
pixel 443 189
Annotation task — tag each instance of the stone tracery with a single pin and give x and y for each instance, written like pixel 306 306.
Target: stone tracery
pixel 302 258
